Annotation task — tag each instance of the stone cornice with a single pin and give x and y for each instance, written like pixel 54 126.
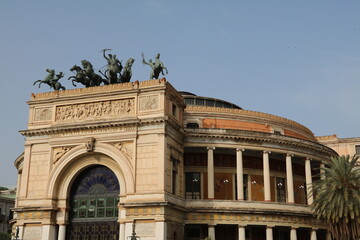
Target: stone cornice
pixel 61 129
pixel 19 162
pixel 100 89
pixel 260 137
pixel 248 113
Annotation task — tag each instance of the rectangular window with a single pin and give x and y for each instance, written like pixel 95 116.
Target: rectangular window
pixel 174 109
pixel 192 186
pixel 357 149
pixel 175 164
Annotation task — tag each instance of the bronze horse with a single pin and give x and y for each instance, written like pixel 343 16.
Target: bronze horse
pixel 127 72
pixel 80 76
pixel 52 80
pixel 95 79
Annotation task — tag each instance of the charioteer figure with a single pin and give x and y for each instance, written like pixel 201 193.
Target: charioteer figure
pixel 157 67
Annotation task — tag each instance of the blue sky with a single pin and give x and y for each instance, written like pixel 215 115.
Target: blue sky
pixel 295 59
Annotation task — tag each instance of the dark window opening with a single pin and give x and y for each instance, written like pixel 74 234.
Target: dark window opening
pixel 192 186
pixel 280 190
pixel 192 125
pixel 357 149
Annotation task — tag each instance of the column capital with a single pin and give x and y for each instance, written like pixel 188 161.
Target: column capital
pixel 267 152
pixel 240 149
pixel 212 225
pixel 307 158
pixel 242 225
pixel 210 148
pixel 294 228
pixel 270 226
pixel 290 155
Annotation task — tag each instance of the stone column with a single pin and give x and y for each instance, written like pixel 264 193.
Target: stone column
pixel 328 235
pixel 308 178
pixel 122 231
pixel 239 174
pixel 266 169
pixel 21 232
pixel 293 234
pixel 289 179
pixel 62 232
pixel 269 233
pixel 241 232
pixel 48 232
pixel 210 160
pixel 322 171
pixel 313 234
pixel 211 231
pixel 161 230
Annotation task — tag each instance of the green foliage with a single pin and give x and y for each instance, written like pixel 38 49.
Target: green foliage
pixel 337 197
pixel 5 236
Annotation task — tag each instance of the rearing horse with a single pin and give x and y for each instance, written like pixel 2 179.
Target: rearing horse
pixel 127 72
pixel 52 80
pixel 80 77
pixel 95 79
pixel 48 78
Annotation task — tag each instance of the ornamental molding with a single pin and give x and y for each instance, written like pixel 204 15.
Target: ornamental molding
pixel 249 113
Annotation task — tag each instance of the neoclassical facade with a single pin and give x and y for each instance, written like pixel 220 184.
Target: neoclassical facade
pixel 102 162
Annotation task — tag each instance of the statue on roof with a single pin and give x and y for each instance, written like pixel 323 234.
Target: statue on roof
pixel 52 80
pixel 157 67
pixel 126 74
pixel 80 76
pixel 114 67
pixel 95 79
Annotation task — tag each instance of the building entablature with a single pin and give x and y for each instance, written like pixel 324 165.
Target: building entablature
pixel 256 140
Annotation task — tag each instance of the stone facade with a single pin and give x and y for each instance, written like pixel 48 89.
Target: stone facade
pixel 238 174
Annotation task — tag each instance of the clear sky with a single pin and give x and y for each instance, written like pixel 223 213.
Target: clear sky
pixel 295 59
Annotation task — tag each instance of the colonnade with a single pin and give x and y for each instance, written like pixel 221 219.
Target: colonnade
pixel 269 233
pixel 266 175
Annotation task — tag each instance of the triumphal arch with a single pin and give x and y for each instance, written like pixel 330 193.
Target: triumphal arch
pixel 91 162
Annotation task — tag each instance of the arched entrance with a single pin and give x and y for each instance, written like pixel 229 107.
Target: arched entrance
pixel 93 203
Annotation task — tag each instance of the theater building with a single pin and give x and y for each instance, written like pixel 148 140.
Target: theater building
pixel 101 161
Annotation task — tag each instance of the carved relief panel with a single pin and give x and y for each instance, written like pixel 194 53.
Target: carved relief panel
pixel 42 114
pixel 89 111
pixel 58 152
pixel 147 103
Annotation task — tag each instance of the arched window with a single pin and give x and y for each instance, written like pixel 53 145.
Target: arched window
pixel 93 204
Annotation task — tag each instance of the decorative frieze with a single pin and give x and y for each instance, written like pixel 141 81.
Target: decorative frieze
pixel 34 215
pixel 42 114
pixel 95 110
pixel 147 103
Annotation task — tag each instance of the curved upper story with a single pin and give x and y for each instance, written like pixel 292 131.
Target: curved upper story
pixel 220 119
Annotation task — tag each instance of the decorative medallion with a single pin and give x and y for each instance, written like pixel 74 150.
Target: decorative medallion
pixel 42 114
pixel 148 103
